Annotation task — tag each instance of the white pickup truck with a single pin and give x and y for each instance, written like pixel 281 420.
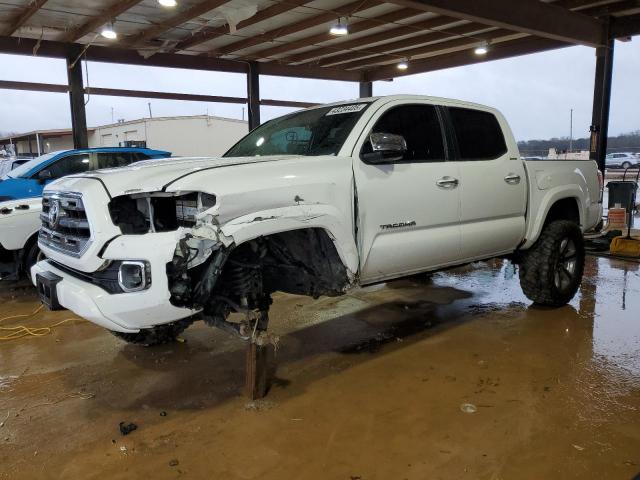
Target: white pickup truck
pixel 312 203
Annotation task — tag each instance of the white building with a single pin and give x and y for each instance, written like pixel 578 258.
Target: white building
pixel 199 135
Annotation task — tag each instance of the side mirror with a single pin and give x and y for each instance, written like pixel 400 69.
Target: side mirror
pixel 44 175
pixel 386 147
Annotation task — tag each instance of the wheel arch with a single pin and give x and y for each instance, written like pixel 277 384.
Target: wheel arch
pixel 298 218
pixel 302 261
pixel 561 204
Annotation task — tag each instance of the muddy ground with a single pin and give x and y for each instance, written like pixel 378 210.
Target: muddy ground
pixel 373 385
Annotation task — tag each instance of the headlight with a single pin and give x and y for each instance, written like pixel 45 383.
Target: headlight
pixel 134 275
pixel 158 211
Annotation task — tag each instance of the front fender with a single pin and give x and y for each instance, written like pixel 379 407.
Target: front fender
pixel 18 225
pixel 296 217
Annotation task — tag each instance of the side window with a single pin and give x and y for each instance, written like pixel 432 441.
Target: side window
pixel 138 156
pixel 114 159
pixel 478 134
pixel 70 165
pixel 420 127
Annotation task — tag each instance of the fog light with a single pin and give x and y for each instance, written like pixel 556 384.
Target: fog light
pixel 134 276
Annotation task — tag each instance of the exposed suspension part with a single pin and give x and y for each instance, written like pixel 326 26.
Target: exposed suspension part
pixel 241 290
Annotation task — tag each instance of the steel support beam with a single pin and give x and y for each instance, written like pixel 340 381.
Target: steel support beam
pixel 76 99
pixel 465 57
pixel 366 89
pixel 253 95
pixel 601 103
pixel 527 16
pixel 53 49
pixel 93 23
pixel 117 92
pixel 626 26
pixel 175 21
pixel 209 33
pixel 23 16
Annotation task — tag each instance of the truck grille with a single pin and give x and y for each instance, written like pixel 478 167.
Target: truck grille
pixel 65 227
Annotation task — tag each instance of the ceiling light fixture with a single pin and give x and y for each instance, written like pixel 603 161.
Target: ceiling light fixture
pixel 482 49
pixel 109 32
pixel 403 65
pixel 168 3
pixel 339 28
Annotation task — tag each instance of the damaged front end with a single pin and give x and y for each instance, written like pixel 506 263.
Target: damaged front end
pixel 210 273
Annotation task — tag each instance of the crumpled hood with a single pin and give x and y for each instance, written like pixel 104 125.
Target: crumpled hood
pixel 154 175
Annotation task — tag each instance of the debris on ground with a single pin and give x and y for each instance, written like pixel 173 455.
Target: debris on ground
pixel 127 428
pixel 468 408
pixel 259 405
pixel 174 463
pixel 163 413
pixel 6 418
pixel 578 447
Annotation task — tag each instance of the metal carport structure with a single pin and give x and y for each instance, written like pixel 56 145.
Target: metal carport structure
pixel 291 38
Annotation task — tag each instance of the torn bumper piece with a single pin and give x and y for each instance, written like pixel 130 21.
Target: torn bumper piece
pixel 124 312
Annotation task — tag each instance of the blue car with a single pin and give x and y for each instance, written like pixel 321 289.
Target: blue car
pixel 29 179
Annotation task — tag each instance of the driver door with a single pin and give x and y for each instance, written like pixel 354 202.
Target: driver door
pixel 408 209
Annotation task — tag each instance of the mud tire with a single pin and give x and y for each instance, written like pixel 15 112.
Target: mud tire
pixel 540 265
pixel 158 335
pixel 31 257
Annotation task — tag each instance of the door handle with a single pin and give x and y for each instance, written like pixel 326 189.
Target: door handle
pixel 447 183
pixel 512 179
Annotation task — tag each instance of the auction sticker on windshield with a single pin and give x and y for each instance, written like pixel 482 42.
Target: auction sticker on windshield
pixel 346 109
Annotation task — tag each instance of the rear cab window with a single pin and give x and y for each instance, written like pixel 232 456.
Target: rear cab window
pixel 477 133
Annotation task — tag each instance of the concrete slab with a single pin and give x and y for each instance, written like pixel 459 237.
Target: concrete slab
pixel 370 386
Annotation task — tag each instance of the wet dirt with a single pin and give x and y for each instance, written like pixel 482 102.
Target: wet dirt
pixel 453 375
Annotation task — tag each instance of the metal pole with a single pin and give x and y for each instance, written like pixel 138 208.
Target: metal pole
pixel 150 114
pixel 601 103
pixel 253 95
pixel 38 143
pixel 366 89
pixel 571 131
pixel 76 99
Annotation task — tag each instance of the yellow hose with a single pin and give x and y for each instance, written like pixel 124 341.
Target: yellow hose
pixel 20 331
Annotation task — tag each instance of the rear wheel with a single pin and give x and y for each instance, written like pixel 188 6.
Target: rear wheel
pixel 551 270
pixel 157 335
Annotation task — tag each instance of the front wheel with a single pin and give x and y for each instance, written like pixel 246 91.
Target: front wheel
pixel 551 270
pixel 626 165
pixel 157 335
pixel 32 256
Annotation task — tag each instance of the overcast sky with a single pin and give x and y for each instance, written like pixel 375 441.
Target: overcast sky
pixel 535 92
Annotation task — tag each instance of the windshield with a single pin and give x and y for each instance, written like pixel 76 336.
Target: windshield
pixel 21 171
pixel 318 131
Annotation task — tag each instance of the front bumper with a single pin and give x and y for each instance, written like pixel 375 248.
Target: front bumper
pixel 125 312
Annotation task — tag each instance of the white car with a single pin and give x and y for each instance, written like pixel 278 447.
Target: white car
pixel 621 160
pixel 8 164
pixel 312 203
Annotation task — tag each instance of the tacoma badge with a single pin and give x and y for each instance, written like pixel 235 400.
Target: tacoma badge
pixel 388 226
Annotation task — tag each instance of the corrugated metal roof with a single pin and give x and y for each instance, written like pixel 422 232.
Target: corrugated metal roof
pixel 283 32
